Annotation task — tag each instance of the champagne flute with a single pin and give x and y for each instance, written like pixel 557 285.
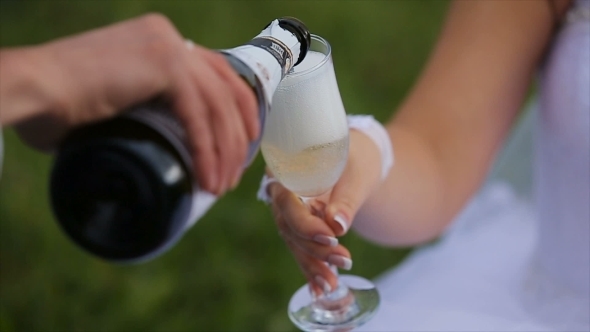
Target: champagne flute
pixel 305 144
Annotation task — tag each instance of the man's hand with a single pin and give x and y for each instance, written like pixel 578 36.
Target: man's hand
pixel 48 89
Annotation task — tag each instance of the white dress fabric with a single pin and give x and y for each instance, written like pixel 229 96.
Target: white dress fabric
pixel 517 258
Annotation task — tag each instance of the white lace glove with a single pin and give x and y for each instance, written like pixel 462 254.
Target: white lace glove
pixel 368 126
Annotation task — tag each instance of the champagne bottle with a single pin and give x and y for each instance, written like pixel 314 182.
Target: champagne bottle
pixel 124 190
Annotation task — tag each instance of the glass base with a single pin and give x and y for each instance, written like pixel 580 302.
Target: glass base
pixel 356 304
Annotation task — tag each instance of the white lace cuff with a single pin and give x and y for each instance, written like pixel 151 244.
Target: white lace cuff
pixel 377 133
pixel 262 194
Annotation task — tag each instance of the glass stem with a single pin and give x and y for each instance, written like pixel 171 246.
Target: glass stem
pixel 340 291
pixel 336 306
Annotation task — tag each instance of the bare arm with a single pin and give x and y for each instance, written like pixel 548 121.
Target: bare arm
pixel 444 137
pixel 447 132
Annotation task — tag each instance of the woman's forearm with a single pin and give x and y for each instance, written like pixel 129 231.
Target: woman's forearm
pixel 447 132
pixel 406 209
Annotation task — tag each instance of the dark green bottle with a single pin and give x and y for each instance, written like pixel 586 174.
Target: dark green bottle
pixel 124 190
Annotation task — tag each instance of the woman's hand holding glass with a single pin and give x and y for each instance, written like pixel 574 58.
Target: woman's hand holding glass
pixel 311 234
pixel 306 145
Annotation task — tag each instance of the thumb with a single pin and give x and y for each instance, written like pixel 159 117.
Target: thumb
pixel 349 194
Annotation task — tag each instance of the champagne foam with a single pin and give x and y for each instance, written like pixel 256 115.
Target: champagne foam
pixel 311 59
pixel 307 109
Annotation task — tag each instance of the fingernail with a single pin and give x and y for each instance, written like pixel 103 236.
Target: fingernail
pixel 312 292
pixel 224 185
pixel 340 261
pixel 341 220
pixel 323 283
pixel 212 182
pixel 326 240
pixel 236 179
pixel 220 188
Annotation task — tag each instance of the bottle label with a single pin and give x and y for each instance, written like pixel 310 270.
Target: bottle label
pixel 280 51
pixel 263 64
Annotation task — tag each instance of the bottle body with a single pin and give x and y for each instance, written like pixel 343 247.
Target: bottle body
pixel 124 190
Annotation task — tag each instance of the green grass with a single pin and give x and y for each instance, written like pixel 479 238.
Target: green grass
pixel 231 272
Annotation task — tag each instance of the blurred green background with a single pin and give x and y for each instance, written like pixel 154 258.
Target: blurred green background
pixel 231 272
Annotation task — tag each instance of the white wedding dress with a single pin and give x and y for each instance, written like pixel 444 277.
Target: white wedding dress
pixel 517 258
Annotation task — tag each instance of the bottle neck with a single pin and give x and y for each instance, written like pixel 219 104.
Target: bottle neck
pixel 281 43
pixel 270 55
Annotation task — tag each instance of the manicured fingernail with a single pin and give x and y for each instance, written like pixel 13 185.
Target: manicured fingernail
pixel 326 240
pixel 312 292
pixel 341 220
pixel 340 261
pixel 323 283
